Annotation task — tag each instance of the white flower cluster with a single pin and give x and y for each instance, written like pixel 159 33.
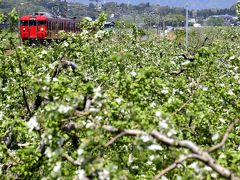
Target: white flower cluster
pixel 133 73
pixel 104 175
pixel 163 124
pixel 215 137
pixel 153 105
pixel 65 44
pixel 100 34
pixel 155 147
pixel 165 91
pixel 204 88
pixel 158 114
pixel 80 157
pixel 146 138
pixel 64 109
pixel 171 133
pixel 81 174
pixel 33 124
pixel 57 167
pixel 195 167
pixel 49 153
pixel 97 92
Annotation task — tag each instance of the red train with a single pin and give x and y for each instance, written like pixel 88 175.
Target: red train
pixel 43 26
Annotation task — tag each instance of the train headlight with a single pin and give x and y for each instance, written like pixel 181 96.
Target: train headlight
pixel 42 29
pixel 24 29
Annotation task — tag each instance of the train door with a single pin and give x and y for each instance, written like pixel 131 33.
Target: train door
pixel 32 28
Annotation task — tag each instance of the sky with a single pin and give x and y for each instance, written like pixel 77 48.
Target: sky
pixel 193 4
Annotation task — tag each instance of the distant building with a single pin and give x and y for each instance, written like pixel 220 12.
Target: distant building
pixel 197 25
pixel 228 19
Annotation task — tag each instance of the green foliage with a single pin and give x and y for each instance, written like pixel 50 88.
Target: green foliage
pixel 45 118
pixel 238 9
pixel 215 21
pixel 13 19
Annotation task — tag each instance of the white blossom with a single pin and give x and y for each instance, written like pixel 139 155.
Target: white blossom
pixel 155 147
pixel 55 79
pixel 89 124
pixel 163 124
pixel 44 52
pixel 104 175
pixel 49 152
pixel 230 92
pixel 179 178
pixel 194 166
pixel 207 168
pixel 151 158
pixel 50 136
pixel 52 66
pixel 48 78
pixel 214 175
pixel 135 167
pixel 98 118
pixel 149 162
pixel 153 105
pixel 1 115
pixel 84 32
pixel 185 63
pixel 80 152
pixel 222 156
pixel 232 58
pixel 130 158
pixel 158 114
pixel 93 109
pixel 99 34
pixel 57 167
pixel 204 88
pixel 33 124
pixel 61 141
pixel 118 100
pixel 97 92
pixel 215 136
pixel 145 138
pixel 164 178
pixel 133 73
pixel 81 174
pixel 64 109
pixel 164 91
pixel 171 133
pixel 65 43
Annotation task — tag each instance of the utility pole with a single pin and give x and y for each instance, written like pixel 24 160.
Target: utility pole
pixel 187 26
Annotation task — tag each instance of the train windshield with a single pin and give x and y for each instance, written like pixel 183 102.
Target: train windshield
pixel 24 23
pixel 42 23
pixel 32 23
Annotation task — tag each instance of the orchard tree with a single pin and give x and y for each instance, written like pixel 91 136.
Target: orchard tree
pixel 111 104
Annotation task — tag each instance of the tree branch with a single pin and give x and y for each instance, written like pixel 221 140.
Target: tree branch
pixel 175 165
pixel 71 160
pixel 115 138
pixel 198 153
pixel 225 137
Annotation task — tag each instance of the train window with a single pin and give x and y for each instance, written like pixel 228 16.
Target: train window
pixel 24 23
pixel 68 26
pixel 42 23
pixel 32 23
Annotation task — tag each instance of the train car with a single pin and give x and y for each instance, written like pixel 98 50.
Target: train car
pixel 43 26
